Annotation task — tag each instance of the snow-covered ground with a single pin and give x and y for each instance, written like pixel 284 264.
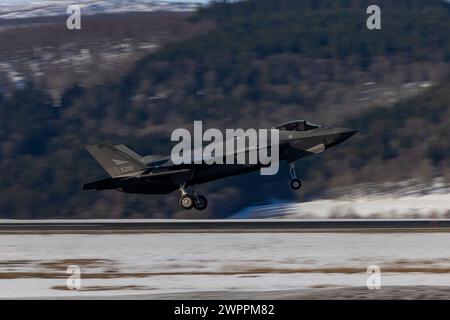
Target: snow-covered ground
pixel 407 199
pixel 426 206
pixel 122 264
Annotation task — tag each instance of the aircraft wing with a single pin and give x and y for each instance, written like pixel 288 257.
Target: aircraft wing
pixel 172 176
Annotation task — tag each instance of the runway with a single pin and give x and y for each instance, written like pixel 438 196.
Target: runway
pixel 224 265
pixel 224 225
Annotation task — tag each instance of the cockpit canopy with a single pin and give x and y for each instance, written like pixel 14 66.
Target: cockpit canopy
pixel 296 125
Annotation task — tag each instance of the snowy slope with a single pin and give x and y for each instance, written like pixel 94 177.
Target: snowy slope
pixel 13 9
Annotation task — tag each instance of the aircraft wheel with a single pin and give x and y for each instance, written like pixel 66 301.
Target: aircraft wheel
pixel 296 184
pixel 200 203
pixel 187 202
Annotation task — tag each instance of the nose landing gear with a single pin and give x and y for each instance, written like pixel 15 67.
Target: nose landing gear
pixel 189 201
pixel 295 182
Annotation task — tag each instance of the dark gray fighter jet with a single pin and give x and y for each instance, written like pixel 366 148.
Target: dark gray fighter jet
pixel 132 173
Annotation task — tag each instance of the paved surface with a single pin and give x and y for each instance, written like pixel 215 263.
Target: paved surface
pixel 353 293
pixel 225 225
pixel 350 293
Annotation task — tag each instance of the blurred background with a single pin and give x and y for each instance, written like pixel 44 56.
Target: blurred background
pixel 139 69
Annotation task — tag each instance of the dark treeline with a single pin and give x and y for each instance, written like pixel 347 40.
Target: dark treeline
pixel 265 62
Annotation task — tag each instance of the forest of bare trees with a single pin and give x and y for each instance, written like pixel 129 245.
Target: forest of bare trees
pixel 254 64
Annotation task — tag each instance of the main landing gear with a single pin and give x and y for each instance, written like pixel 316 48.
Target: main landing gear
pixel 189 201
pixel 295 182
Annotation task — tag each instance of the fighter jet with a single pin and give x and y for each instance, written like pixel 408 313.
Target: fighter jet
pixel 132 173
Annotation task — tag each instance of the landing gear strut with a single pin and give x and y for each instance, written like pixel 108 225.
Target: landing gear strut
pixel 295 182
pixel 189 201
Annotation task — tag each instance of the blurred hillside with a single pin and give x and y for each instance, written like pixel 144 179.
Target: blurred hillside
pixel 44 51
pixel 263 63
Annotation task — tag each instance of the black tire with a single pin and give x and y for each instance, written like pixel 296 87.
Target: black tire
pixel 296 184
pixel 187 202
pixel 200 203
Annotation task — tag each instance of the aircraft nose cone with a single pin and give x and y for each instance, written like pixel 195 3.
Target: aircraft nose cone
pixel 338 136
pixel 347 133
